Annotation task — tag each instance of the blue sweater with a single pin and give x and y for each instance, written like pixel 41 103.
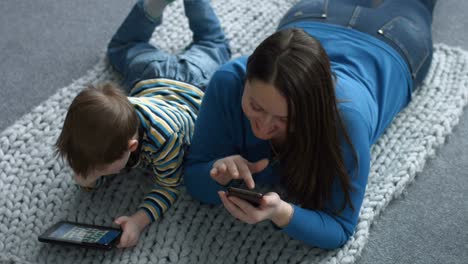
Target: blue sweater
pixel 373 85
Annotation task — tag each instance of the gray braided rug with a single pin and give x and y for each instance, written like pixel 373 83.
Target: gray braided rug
pixel 36 190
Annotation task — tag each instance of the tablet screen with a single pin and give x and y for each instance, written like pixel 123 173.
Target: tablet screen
pixel 82 234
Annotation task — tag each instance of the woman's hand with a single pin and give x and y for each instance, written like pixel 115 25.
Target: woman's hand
pixel 132 227
pixel 271 208
pixel 236 168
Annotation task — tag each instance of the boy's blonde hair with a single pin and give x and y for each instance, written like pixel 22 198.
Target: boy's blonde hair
pixel 99 123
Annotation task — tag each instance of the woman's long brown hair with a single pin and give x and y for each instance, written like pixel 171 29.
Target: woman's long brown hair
pixel 297 65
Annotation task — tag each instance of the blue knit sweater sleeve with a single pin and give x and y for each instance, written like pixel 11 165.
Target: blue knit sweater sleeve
pixel 216 135
pixel 323 228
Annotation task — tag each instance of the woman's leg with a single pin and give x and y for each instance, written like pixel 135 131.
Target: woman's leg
pixel 403 24
pixel 406 26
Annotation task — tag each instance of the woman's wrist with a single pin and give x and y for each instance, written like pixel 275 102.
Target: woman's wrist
pixel 283 215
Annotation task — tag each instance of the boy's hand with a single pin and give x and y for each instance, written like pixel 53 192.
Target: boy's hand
pixel 236 168
pixel 132 227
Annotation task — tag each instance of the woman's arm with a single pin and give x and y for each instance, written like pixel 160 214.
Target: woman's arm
pixel 217 133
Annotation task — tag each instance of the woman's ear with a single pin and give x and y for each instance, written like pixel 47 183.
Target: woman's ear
pixel 132 144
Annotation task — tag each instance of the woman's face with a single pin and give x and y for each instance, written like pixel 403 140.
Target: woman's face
pixel 266 109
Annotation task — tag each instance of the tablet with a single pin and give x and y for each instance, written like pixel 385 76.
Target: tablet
pixel 82 235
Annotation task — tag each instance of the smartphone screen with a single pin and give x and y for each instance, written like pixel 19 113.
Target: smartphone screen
pixel 81 235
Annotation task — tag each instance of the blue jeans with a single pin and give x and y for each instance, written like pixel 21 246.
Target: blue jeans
pixel 403 24
pixel 132 56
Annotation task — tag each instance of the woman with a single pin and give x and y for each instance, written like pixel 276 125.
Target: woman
pixel 304 109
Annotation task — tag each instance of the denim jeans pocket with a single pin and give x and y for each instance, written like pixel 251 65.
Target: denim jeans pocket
pixel 312 9
pixel 146 65
pixel 200 65
pixel 410 38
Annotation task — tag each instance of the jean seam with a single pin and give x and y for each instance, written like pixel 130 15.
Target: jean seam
pixel 325 9
pixel 354 17
pixel 422 62
pixel 401 46
pixel 414 69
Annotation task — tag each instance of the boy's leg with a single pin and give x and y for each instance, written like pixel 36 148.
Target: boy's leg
pixel 429 4
pixel 129 51
pixel 210 47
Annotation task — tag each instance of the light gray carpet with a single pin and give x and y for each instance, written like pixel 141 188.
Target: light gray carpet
pixel 16 172
pixel 190 232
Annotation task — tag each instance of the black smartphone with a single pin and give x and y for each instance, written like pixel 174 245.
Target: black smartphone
pixel 82 235
pixel 250 196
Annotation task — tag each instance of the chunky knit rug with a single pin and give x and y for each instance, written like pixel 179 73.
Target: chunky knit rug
pixel 36 190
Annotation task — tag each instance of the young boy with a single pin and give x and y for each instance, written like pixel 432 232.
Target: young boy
pixel 105 131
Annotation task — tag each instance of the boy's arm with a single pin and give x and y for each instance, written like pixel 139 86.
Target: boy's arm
pixel 167 169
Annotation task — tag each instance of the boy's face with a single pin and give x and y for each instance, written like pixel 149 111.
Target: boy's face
pixel 114 167
pixel 108 169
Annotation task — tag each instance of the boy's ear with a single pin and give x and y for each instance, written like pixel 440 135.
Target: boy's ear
pixel 132 144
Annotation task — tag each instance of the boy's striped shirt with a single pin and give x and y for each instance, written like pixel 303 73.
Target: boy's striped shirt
pixel 167 110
